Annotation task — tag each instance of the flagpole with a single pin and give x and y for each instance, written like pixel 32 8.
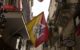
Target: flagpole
pixel 25 27
pixel 25 13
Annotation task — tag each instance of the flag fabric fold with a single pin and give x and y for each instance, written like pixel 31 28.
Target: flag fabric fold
pixel 38 30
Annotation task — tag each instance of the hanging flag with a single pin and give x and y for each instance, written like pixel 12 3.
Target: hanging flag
pixel 38 29
pixel 30 28
pixel 42 31
pixel 78 30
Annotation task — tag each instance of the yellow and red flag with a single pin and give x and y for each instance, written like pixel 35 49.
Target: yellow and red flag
pixel 38 30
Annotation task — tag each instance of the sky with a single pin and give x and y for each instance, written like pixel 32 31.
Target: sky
pixel 38 7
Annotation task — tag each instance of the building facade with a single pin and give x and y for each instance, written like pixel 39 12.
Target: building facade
pixel 15 34
pixel 62 35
